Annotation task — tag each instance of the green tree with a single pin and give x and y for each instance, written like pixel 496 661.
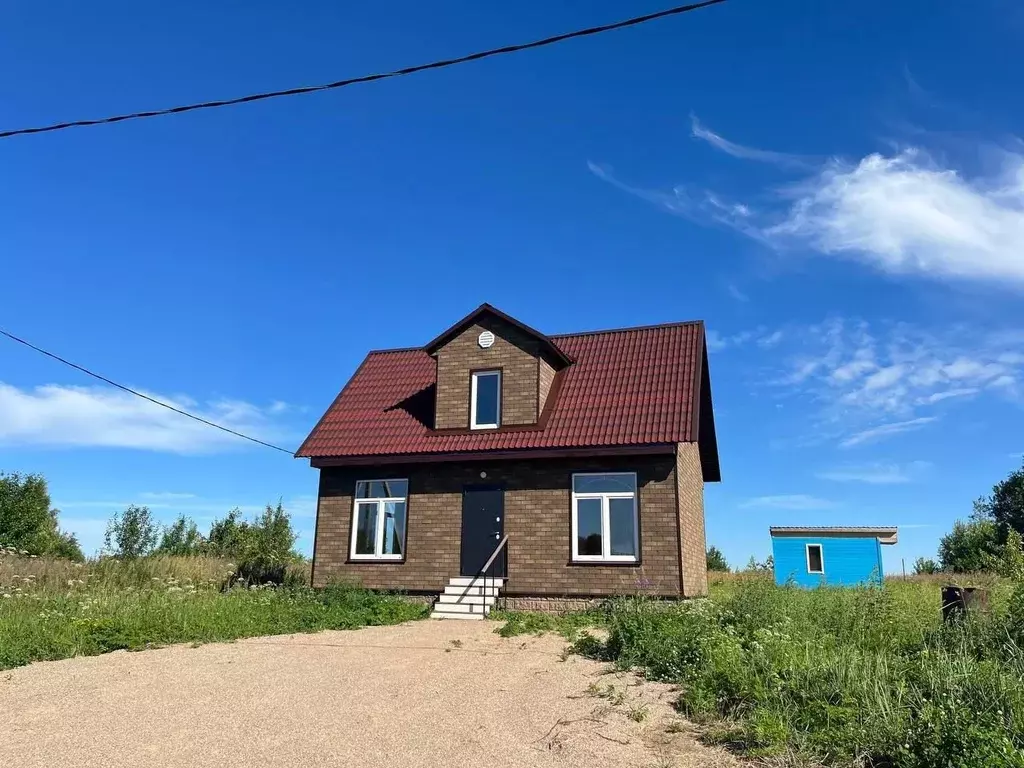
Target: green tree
pixel 1010 560
pixel 28 523
pixel 181 537
pixel 131 534
pixel 716 560
pixel 971 545
pixel 926 566
pixel 226 534
pixel 1006 504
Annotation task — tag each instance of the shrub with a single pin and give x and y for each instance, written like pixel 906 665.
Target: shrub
pixel 28 523
pixel 969 546
pixel 926 566
pixel 131 534
pixel 181 538
pixel 716 561
pixel 263 547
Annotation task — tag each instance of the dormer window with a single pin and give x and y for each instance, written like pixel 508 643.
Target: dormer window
pixel 485 400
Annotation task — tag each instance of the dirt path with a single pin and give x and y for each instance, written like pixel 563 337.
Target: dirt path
pixel 428 693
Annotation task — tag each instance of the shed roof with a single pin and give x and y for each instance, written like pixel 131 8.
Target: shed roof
pixel 885 534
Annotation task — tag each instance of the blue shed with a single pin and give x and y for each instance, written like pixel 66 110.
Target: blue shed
pixel 837 556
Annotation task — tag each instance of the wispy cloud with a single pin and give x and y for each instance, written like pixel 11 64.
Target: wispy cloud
pixel 697 205
pixel 166 496
pixel 886 430
pixel 736 293
pixel 67 416
pixel 875 474
pixel 783 159
pixel 761 336
pixel 902 212
pixel 866 382
pixel 796 501
pixel 198 507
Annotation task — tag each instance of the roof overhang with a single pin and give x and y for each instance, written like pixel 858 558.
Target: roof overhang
pixel 487 309
pixel 885 534
pixel 530 453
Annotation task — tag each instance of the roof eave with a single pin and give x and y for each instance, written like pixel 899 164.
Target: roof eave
pixel 485 308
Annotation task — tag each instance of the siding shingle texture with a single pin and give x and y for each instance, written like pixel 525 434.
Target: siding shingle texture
pixel 537 521
pixel 513 351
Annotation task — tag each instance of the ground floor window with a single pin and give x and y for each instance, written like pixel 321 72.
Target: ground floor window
pixel 604 517
pixel 378 520
pixel 815 562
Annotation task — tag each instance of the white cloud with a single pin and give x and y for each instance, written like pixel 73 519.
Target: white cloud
pixel 861 379
pixel 875 474
pixel 901 213
pixel 886 430
pixel 905 214
pixel 699 131
pixel 66 416
pixel 796 501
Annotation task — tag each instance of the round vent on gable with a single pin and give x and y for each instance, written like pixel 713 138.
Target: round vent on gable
pixel 486 339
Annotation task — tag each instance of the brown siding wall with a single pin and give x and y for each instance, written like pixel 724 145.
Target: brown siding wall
pixel 547 376
pixel 537 520
pixel 513 351
pixel 691 520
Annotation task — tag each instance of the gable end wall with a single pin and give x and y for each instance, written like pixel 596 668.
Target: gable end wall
pixel 516 353
pixel 690 495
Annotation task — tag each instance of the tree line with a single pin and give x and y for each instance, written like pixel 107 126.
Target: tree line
pixel 261 547
pixel 990 539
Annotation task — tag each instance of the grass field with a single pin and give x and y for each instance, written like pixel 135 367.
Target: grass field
pixel 851 677
pixel 53 609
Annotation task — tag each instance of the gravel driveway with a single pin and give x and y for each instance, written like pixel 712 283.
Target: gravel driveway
pixel 427 693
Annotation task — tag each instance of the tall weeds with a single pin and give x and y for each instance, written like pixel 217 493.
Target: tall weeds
pixel 840 676
pixel 51 609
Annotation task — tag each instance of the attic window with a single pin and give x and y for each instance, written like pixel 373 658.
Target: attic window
pixel 485 400
pixel 815 563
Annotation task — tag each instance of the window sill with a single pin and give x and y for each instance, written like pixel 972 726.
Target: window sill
pixel 614 563
pixel 375 560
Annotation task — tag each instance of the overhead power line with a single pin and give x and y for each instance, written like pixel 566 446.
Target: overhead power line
pixel 131 391
pixel 367 78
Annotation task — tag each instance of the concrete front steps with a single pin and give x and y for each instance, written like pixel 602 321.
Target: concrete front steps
pixel 467 598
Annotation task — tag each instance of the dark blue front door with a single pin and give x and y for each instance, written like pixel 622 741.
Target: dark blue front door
pixel 483 525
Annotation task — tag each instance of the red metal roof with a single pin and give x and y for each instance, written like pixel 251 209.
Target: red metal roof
pixel 626 387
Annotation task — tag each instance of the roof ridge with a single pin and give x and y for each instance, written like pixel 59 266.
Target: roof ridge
pixel 394 349
pixel 655 326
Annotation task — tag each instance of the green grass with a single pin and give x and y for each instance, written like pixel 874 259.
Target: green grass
pixel 123 607
pixel 569 625
pixel 848 677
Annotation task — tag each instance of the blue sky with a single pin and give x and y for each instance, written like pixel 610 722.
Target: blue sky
pixel 838 195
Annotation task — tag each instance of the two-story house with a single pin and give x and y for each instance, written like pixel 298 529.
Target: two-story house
pixel 567 467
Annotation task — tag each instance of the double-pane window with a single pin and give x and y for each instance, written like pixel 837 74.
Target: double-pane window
pixel 604 517
pixel 378 530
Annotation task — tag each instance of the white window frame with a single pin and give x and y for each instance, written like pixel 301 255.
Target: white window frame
pixel 378 540
pixel 473 424
pixel 821 556
pixel 606 540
